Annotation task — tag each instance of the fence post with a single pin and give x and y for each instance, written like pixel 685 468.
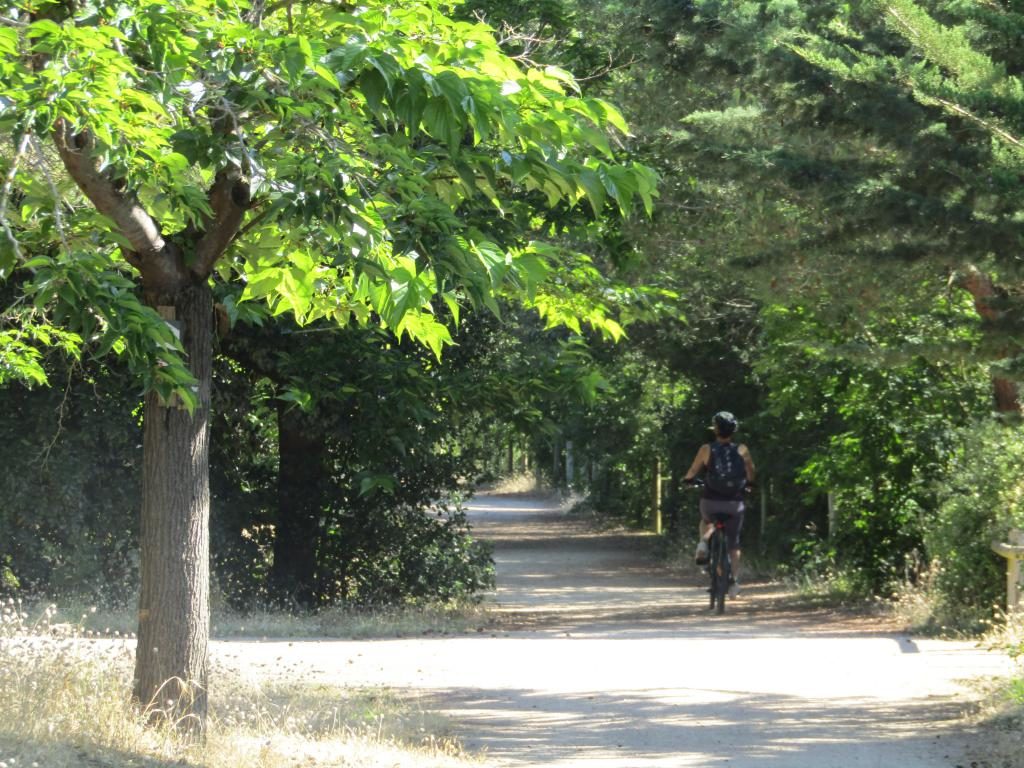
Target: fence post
pixel 1013 552
pixel 657 496
pixel 764 517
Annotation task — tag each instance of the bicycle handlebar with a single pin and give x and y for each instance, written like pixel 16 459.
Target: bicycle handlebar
pixel 698 482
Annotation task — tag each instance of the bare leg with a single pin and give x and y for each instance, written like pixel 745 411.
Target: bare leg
pixel 734 557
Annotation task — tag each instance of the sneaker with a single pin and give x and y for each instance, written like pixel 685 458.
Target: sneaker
pixel 702 553
pixel 734 589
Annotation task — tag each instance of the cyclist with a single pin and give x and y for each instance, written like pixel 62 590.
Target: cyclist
pixel 729 471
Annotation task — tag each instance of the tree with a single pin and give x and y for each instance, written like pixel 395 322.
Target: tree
pixel 318 154
pixel 956 63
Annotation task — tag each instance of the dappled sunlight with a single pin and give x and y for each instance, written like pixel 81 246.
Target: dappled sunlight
pixel 556 573
pixel 596 655
pixel 664 726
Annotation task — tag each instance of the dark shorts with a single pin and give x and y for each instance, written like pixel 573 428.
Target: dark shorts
pixel 734 509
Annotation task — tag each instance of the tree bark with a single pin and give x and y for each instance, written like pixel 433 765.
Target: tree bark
pixel 171 666
pixel 301 452
pixel 985 293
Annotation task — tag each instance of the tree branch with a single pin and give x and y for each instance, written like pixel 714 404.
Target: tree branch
pixel 5 194
pixel 254 221
pixel 159 265
pixel 988 125
pixel 126 212
pixel 229 199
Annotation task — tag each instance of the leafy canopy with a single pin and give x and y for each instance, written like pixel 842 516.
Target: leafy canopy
pixel 370 139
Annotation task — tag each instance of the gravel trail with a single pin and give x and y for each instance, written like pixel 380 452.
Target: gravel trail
pixel 599 657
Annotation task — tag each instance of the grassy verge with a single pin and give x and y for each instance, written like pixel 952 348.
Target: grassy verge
pixel 65 702
pixel 445 619
pixel 1000 726
pixel 449 619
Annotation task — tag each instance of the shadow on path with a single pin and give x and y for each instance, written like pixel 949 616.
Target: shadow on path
pixel 644 676
pixel 682 727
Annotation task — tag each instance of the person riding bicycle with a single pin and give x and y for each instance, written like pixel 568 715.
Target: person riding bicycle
pixel 728 471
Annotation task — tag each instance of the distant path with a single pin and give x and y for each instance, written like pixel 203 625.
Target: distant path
pixel 601 658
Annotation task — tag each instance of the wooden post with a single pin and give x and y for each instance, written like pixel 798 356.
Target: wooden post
pixel 764 517
pixel 538 475
pixel 556 461
pixel 657 496
pixel 570 465
pixel 1013 552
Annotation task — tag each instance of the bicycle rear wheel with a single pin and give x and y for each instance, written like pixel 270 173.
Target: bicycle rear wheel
pixel 719 570
pixel 723 575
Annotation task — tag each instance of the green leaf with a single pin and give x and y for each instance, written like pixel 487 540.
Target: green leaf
pixel 594 189
pixel 442 123
pixel 327 75
pixel 373 88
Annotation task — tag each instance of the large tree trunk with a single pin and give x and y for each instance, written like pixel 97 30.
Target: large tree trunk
pixel 301 453
pixel 174 614
pixel 986 297
pixel 174 603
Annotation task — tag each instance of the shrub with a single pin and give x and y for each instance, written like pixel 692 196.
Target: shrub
pixel 980 502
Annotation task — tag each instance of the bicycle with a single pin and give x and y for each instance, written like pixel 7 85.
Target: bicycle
pixel 719 565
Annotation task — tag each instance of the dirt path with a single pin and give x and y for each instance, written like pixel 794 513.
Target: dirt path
pixel 600 658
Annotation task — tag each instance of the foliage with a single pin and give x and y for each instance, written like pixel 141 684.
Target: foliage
pixel 377 525
pixel 954 163
pixel 73 475
pixel 389 555
pixel 881 435
pixel 360 137
pixel 834 176
pixel 980 501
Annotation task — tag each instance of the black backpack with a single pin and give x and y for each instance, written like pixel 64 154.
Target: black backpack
pixel 727 472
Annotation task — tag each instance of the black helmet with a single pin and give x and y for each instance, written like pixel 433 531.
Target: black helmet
pixel 724 423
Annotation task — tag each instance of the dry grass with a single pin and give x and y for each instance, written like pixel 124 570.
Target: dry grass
pixel 339 623
pixel 520 484
pixel 999 739
pixel 451 619
pixel 64 701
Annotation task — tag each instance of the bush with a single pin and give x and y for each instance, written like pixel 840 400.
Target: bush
pixel 980 502
pixel 402 555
